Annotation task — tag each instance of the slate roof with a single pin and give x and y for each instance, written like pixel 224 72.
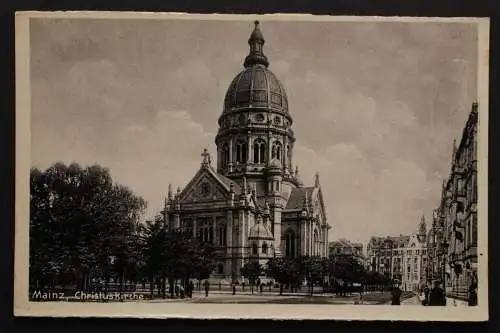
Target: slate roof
pixel 296 200
pixel 226 181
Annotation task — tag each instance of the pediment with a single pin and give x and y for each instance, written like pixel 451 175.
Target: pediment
pixel 204 187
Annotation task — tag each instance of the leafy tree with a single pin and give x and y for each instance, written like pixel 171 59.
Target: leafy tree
pixel 252 270
pixel 79 219
pixel 172 255
pixel 315 269
pixel 285 271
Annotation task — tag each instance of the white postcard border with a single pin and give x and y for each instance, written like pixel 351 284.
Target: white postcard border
pixel 23 307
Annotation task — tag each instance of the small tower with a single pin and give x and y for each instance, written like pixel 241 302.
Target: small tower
pixel 422 227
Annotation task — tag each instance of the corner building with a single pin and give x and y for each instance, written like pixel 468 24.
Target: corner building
pixel 403 257
pixel 252 204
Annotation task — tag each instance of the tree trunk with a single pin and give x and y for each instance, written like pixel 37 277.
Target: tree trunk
pixel 171 286
pixel 151 286
pixel 121 284
pixel 163 287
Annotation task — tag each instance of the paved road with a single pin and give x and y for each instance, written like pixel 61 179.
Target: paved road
pixel 286 298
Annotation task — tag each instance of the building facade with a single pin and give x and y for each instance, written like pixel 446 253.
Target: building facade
pixel 252 203
pixel 402 258
pixel 345 248
pixel 453 236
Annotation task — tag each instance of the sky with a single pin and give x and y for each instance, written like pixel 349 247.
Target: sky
pixel 376 105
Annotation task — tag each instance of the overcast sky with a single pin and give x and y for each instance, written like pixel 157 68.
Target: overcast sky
pixel 376 106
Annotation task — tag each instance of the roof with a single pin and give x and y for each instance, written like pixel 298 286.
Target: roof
pixel 259 231
pixel 296 199
pixel 400 240
pixel 228 182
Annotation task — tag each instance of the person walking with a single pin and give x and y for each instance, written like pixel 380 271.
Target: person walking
pixel 472 294
pixel 426 292
pixel 191 288
pixel 437 297
pixel 207 287
pixel 396 294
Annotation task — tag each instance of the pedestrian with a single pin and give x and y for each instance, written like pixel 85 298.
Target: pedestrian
pixel 472 294
pixel 437 297
pixel 396 294
pixel 261 288
pixel 234 289
pixel 207 286
pixel 425 291
pixel 191 288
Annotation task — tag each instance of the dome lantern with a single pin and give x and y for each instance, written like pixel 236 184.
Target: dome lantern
pixel 256 55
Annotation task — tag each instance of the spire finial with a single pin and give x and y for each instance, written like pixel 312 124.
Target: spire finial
pixel 170 196
pixel 316 179
pixel 256 42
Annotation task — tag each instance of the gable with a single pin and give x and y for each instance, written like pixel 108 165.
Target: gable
pixel 319 205
pixel 205 186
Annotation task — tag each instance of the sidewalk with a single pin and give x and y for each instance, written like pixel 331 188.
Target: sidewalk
pixel 415 300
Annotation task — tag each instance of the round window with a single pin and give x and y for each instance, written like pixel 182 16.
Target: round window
pixel 205 189
pixel 277 120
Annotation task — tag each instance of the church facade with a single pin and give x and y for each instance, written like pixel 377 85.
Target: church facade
pixel 252 203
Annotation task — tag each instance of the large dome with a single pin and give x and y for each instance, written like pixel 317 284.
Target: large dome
pixel 256 86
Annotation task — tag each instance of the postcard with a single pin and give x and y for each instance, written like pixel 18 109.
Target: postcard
pixel 173 165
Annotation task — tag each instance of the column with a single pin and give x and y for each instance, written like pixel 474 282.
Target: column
pixel 303 236
pixel 229 244
pixel 284 158
pixel 230 164
pixel 214 227
pixel 311 245
pixel 194 227
pixel 250 150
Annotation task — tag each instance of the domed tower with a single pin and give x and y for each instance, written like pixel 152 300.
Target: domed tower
pixel 255 139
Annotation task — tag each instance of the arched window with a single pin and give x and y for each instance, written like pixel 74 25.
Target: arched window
pixel 222 235
pixel 225 155
pixel 276 150
pixel 206 232
pixel 290 243
pixel 241 152
pixel 255 248
pixel 264 248
pixel 259 151
pixel 315 243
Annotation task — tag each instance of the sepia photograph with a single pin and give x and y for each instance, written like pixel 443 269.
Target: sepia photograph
pixel 251 166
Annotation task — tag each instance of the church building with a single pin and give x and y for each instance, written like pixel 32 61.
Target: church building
pixel 252 203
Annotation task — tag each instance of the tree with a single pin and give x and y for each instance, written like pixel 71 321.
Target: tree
pixel 79 219
pixel 252 270
pixel 315 269
pixel 172 255
pixel 285 271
